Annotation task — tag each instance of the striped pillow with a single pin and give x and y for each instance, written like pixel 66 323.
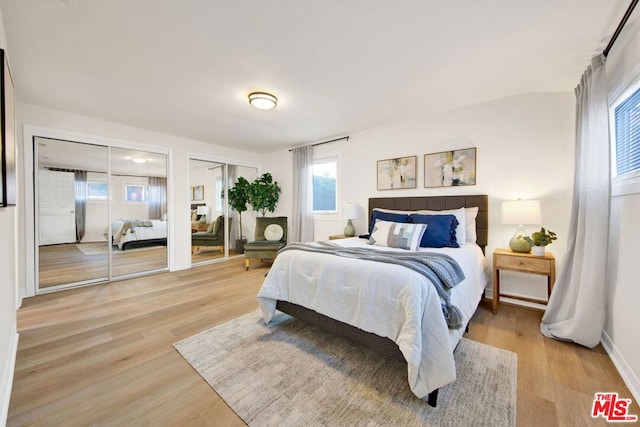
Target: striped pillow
pixel 397 235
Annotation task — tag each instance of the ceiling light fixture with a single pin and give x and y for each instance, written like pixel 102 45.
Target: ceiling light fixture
pixel 263 100
pixel 138 160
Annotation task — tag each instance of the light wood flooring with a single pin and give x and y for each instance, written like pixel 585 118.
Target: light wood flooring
pixel 103 354
pixel 65 263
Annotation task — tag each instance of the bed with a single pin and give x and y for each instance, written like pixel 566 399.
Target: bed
pixel 132 233
pixel 408 325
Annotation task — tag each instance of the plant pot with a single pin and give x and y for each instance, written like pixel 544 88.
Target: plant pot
pixel 537 250
pixel 240 246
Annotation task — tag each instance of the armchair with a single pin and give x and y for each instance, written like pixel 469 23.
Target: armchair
pixel 214 236
pixel 266 246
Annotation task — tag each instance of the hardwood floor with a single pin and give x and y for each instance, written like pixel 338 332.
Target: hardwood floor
pixel 65 263
pixel 103 354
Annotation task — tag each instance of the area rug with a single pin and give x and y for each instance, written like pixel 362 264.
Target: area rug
pixel 100 248
pixel 292 374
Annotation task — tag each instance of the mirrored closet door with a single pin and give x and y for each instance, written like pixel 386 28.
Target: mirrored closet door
pixel 138 211
pixel 72 212
pixel 210 239
pixel 100 213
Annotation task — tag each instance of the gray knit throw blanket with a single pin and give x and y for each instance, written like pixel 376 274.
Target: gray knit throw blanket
pixel 441 270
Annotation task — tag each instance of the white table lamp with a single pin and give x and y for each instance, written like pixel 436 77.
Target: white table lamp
pixel 203 210
pixel 521 213
pixel 350 211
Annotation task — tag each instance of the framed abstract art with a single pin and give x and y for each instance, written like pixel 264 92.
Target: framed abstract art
pixel 450 168
pixel 398 173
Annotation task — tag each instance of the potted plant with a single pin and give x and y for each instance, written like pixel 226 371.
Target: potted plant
pixel 539 240
pixel 263 194
pixel 238 199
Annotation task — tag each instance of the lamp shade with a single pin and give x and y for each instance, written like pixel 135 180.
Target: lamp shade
pixel 350 211
pixel 521 212
pixel 203 210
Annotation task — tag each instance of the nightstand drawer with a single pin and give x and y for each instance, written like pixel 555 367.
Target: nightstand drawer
pixel 542 266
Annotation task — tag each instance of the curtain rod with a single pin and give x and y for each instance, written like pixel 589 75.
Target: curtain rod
pixel 621 25
pixel 326 142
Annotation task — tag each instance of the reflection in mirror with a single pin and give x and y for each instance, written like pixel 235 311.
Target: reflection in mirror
pixel 138 211
pixel 72 208
pixel 208 207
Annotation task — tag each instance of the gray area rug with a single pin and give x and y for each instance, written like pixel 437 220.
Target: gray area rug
pixel 291 374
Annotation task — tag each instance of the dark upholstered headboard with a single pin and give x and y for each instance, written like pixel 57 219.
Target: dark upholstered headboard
pixel 438 203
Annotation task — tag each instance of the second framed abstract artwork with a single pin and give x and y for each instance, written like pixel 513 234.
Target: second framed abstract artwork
pixel 450 168
pixel 397 173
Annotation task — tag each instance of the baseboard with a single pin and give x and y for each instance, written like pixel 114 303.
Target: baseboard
pixel 6 382
pixel 626 372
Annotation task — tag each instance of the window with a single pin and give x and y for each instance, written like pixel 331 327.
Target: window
pixel 325 193
pixel 136 193
pixel 627 136
pixel 97 191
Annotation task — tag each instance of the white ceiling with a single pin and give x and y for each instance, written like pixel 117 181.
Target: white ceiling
pixel 186 67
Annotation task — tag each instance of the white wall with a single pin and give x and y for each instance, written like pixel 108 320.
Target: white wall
pixel 179 194
pixel 623 317
pixel 8 286
pixel 97 213
pixel 525 148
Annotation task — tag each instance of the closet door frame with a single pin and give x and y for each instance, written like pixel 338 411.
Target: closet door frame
pixel 29 161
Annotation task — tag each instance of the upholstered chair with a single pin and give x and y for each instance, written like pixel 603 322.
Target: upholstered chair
pixel 214 236
pixel 270 237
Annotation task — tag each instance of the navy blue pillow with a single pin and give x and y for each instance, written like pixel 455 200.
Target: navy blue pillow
pixel 441 230
pixel 388 216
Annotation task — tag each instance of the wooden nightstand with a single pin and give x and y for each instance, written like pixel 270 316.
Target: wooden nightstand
pixel 199 226
pixel 505 259
pixel 338 237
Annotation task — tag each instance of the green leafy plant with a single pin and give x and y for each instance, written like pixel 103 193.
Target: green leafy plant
pixel 239 198
pixel 541 238
pixel 264 193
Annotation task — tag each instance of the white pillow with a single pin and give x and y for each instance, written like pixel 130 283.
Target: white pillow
pixel 273 232
pixel 397 235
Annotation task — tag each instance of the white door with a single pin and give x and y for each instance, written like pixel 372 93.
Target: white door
pixel 56 199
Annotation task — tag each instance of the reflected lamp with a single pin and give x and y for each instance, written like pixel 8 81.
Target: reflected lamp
pixel 204 211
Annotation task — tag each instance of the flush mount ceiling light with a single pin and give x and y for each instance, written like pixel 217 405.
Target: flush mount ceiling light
pixel 263 100
pixel 138 160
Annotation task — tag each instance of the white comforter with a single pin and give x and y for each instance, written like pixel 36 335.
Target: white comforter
pixel 389 300
pixel 122 234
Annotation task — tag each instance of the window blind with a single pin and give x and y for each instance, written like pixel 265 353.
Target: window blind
pixel 627 122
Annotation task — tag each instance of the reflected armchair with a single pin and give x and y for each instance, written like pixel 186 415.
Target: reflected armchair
pixel 270 237
pixel 214 236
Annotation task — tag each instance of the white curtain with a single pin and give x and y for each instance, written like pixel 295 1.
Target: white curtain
pixel 576 309
pixel 157 197
pixel 302 221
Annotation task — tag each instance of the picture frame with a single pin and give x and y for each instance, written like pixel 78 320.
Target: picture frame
pixel 398 173
pixel 198 193
pixel 450 168
pixel 8 187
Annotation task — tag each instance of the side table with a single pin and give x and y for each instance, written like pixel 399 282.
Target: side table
pixel 505 259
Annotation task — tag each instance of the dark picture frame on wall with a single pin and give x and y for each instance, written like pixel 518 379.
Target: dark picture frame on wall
pixel 398 173
pixel 8 131
pixel 450 168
